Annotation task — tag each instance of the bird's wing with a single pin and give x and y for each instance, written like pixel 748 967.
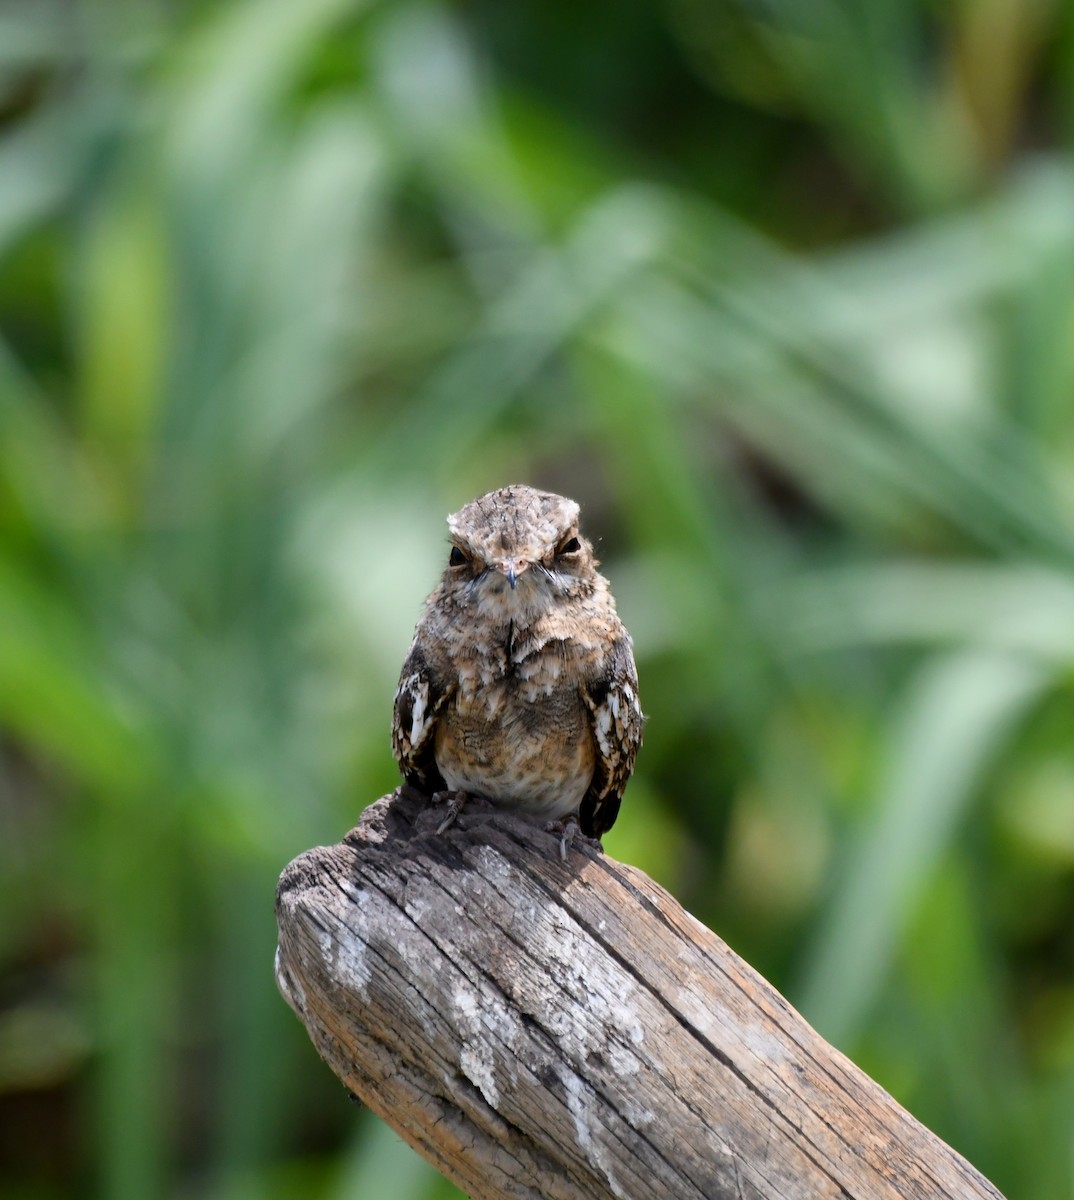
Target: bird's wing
pixel 419 700
pixel 617 720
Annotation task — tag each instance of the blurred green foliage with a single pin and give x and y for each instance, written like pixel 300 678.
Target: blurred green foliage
pixel 782 293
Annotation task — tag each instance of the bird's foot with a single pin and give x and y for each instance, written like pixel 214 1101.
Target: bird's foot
pixel 570 832
pixel 455 802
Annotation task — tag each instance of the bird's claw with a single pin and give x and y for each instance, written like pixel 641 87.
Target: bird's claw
pixel 570 832
pixel 455 802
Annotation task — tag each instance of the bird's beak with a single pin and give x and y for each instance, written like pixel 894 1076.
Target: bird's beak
pixel 511 568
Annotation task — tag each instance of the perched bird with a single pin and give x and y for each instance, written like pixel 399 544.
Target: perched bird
pixel 520 684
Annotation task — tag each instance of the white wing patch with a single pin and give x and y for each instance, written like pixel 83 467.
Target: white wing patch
pixel 414 722
pixel 617 724
pixel 419 699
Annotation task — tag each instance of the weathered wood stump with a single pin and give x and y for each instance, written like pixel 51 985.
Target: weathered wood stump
pixel 563 1030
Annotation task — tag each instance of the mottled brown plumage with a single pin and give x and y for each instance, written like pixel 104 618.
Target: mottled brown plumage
pixel 520 683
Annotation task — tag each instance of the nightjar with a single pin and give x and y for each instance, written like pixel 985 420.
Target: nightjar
pixel 520 684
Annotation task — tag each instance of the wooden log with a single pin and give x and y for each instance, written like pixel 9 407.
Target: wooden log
pixel 560 1030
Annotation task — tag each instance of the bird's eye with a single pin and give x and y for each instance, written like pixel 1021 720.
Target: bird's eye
pixel 571 546
pixel 456 558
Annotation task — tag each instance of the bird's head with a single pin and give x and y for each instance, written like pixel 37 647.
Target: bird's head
pixel 517 549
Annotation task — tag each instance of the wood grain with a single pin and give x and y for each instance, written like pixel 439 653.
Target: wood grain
pixel 545 1029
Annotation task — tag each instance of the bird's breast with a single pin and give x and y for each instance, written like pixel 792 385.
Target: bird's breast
pixel 522 739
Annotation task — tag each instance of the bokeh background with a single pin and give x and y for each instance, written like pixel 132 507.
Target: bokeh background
pixel 782 291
